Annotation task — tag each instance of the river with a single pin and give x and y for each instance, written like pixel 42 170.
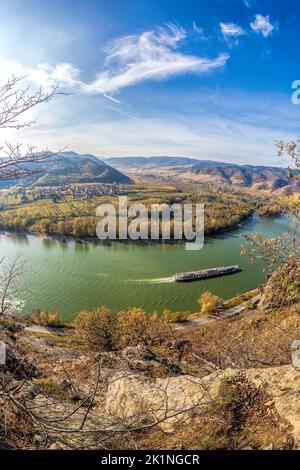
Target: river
pixel 71 276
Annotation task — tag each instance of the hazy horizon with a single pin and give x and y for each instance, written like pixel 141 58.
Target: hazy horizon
pixel 171 156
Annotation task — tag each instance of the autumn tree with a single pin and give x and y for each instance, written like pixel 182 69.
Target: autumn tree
pixel 271 252
pixel 209 303
pixel 97 328
pixel 290 149
pixel 274 252
pixel 136 327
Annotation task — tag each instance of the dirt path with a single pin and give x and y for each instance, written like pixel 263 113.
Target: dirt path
pixel 45 329
pixel 229 313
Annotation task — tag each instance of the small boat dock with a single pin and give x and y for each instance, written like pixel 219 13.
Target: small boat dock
pixel 206 273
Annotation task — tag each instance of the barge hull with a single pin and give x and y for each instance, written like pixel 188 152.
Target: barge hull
pixel 206 274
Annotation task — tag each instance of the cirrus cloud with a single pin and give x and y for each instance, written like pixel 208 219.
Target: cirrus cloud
pixel 153 55
pixel 128 60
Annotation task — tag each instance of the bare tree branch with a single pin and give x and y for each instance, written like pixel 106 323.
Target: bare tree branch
pixel 15 101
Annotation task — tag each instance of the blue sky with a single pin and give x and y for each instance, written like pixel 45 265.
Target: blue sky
pixel 206 78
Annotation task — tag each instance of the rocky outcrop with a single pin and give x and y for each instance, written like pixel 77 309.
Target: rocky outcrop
pixel 165 401
pixel 283 287
pixel 180 399
pixel 283 386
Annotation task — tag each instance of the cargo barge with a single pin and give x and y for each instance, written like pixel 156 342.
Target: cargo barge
pixel 206 273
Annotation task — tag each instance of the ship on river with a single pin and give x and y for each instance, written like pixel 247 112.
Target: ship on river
pixel 206 273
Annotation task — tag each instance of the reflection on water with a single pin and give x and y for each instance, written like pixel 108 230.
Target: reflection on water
pixel 69 276
pixel 20 238
pixel 48 243
pixel 82 246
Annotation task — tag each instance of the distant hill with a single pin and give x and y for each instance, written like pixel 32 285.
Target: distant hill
pixel 149 161
pixel 142 162
pixel 70 168
pixel 242 175
pixel 188 169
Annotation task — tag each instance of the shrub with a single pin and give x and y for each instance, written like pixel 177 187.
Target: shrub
pixel 45 318
pixel 135 327
pixel 248 305
pixel 179 316
pixel 210 303
pixel 98 328
pixel 106 330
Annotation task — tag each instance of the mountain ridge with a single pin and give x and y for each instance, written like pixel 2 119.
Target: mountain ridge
pixel 254 176
pixel 71 168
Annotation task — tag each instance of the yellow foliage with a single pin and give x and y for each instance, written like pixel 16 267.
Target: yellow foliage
pixel 135 327
pixel 45 318
pixel 97 327
pixel 209 303
pixel 178 316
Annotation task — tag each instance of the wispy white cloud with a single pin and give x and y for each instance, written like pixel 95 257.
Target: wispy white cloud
pixel 153 55
pixel 262 25
pixel 64 74
pixel 198 30
pixel 248 3
pixel 43 74
pixel 231 30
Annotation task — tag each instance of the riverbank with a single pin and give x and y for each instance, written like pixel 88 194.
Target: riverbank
pixel 66 217
pixel 94 239
pixel 197 320
pixel 172 241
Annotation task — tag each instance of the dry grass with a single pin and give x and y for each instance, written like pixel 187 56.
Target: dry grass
pixel 256 340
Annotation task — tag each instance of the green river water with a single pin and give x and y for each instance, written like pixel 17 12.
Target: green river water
pixel 71 276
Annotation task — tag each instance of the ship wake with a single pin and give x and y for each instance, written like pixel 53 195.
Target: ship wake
pixel 159 280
